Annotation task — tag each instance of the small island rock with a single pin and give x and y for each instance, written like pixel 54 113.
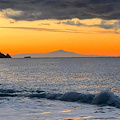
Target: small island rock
pixel 4 56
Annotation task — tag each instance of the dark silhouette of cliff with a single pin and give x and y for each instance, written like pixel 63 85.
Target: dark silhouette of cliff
pixel 4 56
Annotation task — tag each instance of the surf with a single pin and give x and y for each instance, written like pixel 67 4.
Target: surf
pixel 103 98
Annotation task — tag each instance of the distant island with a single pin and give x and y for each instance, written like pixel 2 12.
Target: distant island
pixel 58 53
pixel 4 56
pixel 27 57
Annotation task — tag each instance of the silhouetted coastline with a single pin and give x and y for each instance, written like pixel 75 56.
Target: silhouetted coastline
pixel 4 56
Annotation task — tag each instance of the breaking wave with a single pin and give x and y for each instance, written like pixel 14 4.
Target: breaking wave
pixel 104 98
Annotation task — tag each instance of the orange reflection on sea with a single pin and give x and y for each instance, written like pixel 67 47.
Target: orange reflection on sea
pixel 45 112
pixel 66 111
pixel 77 118
pixel 118 117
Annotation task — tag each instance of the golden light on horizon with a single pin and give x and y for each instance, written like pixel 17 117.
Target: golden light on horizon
pixel 45 36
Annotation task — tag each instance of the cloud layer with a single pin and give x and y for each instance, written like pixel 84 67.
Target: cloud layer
pixel 104 24
pixel 60 9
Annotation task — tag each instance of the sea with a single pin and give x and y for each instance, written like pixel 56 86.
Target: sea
pixel 60 89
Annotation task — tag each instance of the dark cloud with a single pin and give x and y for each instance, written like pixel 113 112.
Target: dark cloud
pixel 115 25
pixel 71 22
pixel 62 9
pixel 104 24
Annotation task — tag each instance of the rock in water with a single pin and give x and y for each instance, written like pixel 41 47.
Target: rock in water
pixel 8 56
pixel 4 56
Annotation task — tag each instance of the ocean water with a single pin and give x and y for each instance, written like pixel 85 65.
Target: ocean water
pixel 60 89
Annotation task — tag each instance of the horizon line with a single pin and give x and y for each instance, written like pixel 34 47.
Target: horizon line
pixel 67 51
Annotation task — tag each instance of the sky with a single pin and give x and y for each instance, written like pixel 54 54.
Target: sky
pixel 41 26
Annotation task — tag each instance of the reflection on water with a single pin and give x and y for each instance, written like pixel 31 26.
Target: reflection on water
pixel 118 117
pixel 38 113
pixel 66 111
pixel 45 113
pixel 78 118
pixel 57 75
pixel 61 74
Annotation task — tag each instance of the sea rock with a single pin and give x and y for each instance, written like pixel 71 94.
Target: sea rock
pixel 4 56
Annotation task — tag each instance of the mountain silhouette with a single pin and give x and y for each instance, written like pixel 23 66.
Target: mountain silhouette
pixel 58 53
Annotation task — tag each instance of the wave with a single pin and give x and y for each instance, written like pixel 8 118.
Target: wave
pixel 103 98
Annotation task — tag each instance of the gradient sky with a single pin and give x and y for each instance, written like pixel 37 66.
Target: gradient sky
pixel 40 26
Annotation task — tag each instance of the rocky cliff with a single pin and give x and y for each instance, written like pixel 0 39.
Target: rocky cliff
pixel 4 56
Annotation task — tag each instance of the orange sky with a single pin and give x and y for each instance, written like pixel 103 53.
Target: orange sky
pixel 46 36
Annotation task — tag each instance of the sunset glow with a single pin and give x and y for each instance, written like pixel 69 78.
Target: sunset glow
pixel 84 36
